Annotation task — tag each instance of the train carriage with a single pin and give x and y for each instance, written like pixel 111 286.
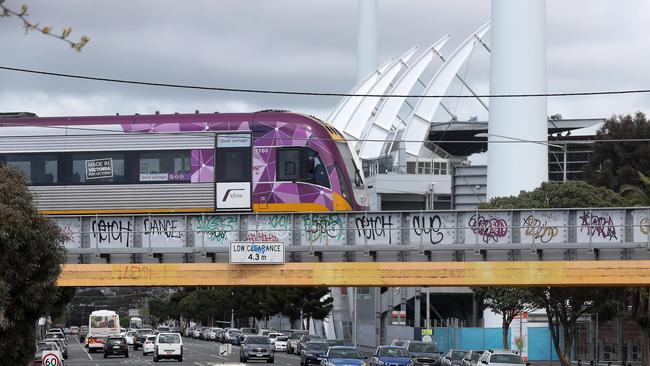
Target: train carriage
pixel 267 161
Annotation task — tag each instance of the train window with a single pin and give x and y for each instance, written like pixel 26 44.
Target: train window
pixel 165 166
pixel 345 190
pixel 235 166
pixel 40 169
pixel 80 172
pixel 288 163
pixel 301 164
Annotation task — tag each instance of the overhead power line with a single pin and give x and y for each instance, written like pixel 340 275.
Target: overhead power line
pixel 322 94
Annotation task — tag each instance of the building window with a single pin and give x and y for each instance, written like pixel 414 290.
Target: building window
pixel 440 168
pixel 165 166
pixel 424 167
pixel 40 169
pixel 410 167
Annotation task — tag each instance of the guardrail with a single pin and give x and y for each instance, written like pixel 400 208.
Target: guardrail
pixel 591 231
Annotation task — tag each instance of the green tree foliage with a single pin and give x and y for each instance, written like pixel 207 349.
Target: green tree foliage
pixel 613 164
pixel 206 305
pixel 506 301
pixel 31 255
pixel 564 305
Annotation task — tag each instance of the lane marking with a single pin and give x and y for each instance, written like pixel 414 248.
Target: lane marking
pixel 83 348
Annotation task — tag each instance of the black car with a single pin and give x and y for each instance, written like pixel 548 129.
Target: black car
pixel 312 351
pixel 256 347
pixel 116 346
pixel 424 353
pixel 304 339
pixel 141 336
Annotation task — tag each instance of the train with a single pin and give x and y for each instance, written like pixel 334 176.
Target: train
pixel 266 161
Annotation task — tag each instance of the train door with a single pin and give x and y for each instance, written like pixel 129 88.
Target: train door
pixel 233 167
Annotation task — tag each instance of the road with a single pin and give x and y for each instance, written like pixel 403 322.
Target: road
pixel 195 352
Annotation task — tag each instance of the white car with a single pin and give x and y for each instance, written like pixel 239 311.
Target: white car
pixel 500 358
pixel 149 345
pixel 272 336
pixel 43 348
pixel 280 343
pixel 168 345
pixel 129 337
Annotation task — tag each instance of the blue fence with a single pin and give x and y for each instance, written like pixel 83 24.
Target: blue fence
pixel 539 340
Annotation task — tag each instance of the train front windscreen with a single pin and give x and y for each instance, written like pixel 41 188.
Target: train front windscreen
pixel 359 192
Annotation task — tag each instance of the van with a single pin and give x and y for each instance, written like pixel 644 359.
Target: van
pixel 168 345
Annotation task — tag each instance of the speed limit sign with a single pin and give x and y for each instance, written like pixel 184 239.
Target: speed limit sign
pixel 51 359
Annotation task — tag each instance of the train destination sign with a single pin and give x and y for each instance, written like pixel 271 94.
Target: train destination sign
pixel 256 252
pixel 99 168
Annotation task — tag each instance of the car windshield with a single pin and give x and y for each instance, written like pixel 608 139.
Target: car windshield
pixel 169 338
pixel 257 340
pixel 114 341
pixel 393 352
pixel 44 347
pixel 457 355
pixel 317 346
pixel 513 359
pixel 423 348
pixel 151 338
pixel 281 338
pixel 476 355
pixel 345 353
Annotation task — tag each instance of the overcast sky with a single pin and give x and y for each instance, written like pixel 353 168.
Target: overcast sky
pixel 297 45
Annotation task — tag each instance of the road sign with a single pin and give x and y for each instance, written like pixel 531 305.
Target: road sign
pixel 427 335
pixel 134 312
pixel 225 350
pixel 256 252
pixel 51 359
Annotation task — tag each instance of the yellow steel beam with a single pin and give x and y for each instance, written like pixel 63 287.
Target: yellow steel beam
pixel 560 273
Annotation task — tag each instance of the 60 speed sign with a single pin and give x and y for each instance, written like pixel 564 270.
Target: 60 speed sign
pixel 51 359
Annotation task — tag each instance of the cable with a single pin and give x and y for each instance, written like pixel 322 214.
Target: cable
pixel 199 133
pixel 322 94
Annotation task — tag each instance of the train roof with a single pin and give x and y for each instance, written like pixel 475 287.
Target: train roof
pixel 17 119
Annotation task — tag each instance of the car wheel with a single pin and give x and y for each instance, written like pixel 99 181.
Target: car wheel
pixel 126 355
pixel 180 359
pixel 155 358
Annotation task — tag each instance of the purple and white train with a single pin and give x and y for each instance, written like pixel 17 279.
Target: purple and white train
pixel 267 161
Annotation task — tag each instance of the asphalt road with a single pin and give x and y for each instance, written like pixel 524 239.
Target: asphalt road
pixel 195 352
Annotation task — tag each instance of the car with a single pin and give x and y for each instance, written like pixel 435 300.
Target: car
pixel 56 335
pixel 236 338
pixel 129 337
pixel 140 337
pixel 62 346
pixel 280 343
pixel 294 339
pixel 163 329
pixel 218 335
pixel 229 334
pixel 46 347
pixel 311 352
pixel 66 330
pixel 74 330
pixel 266 332
pixel 453 357
pixel 342 356
pixel 500 358
pixel 168 346
pixel 149 345
pixel 249 331
pixel 423 353
pixel 273 335
pixel 56 330
pixel 83 332
pixel 116 346
pixel 471 357
pixel 256 347
pixel 304 339
pixel 390 355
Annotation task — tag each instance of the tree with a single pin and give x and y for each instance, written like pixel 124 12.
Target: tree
pixel 613 164
pixel 31 256
pixel 566 304
pixel 506 301
pixel 23 13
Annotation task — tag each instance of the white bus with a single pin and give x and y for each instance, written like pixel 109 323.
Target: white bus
pixel 101 324
pixel 135 323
